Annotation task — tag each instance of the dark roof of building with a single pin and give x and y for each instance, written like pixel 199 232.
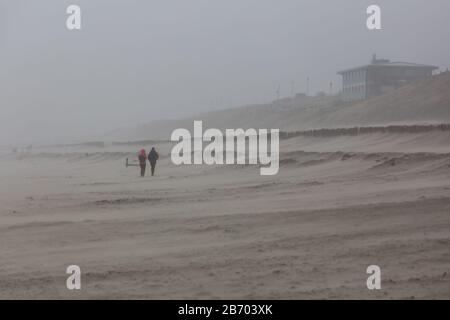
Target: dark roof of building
pixel 387 63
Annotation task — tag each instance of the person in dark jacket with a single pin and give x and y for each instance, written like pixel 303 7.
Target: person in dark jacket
pixel 142 161
pixel 153 156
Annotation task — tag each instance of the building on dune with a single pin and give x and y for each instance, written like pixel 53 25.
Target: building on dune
pixel 379 77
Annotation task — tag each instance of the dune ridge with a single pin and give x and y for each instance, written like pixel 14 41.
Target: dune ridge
pixel 425 102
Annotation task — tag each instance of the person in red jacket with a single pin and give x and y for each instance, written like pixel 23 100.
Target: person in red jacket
pixel 142 161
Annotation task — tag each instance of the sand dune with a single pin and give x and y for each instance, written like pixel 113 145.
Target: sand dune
pixel 358 185
pixel 426 102
pixel 339 203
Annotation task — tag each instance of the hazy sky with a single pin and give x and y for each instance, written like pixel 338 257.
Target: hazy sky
pixel 135 61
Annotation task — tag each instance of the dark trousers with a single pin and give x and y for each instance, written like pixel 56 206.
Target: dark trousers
pixel 153 165
pixel 143 170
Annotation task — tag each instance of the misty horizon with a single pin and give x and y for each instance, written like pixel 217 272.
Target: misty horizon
pixel 133 63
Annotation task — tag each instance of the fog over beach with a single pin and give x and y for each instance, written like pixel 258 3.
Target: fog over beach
pixel 362 181
pixel 139 62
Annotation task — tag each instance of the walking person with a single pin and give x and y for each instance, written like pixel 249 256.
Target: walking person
pixel 142 161
pixel 153 156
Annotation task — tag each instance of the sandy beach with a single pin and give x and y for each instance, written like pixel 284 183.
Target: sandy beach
pixel 302 148
pixel 338 205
